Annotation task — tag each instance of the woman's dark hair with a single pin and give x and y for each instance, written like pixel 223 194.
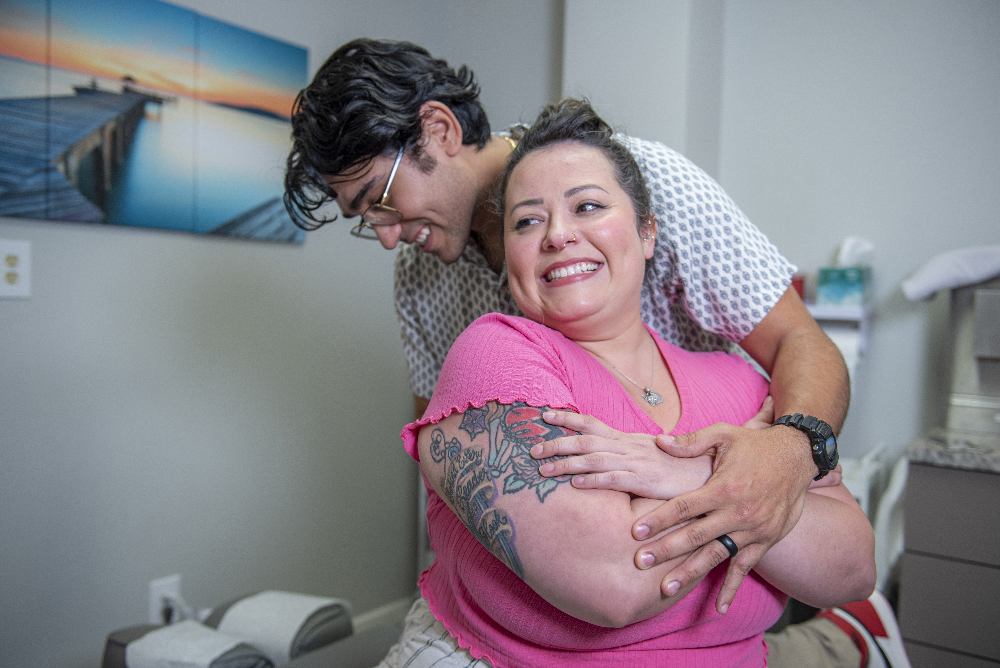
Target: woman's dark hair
pixel 576 121
pixel 364 102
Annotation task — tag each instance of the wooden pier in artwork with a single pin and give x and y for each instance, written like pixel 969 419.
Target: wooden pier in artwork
pixel 268 221
pixel 44 140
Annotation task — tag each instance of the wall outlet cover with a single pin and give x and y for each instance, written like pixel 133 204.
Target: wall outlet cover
pixel 161 589
pixel 15 269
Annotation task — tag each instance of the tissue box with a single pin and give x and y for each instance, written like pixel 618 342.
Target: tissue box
pixel 843 286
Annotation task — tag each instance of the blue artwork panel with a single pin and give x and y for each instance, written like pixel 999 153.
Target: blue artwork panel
pixel 24 109
pixel 246 85
pixel 122 80
pixel 141 113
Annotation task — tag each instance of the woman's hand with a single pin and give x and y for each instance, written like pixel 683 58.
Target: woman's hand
pixel 605 458
pixel 764 417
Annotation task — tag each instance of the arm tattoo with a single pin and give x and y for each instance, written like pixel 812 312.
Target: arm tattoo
pixel 471 473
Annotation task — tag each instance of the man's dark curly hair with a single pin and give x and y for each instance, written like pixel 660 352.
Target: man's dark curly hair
pixel 576 121
pixel 364 102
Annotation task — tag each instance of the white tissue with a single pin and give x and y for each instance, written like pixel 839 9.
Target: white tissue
pixel 186 644
pixel 952 270
pixel 856 252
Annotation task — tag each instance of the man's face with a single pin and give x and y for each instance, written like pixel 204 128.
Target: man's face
pixel 435 195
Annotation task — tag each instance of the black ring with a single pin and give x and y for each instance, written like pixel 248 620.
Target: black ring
pixel 729 544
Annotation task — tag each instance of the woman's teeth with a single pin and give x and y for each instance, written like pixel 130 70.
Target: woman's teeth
pixel 573 269
pixel 422 236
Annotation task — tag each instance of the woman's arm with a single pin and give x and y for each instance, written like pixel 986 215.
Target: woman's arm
pixel 573 547
pixel 828 558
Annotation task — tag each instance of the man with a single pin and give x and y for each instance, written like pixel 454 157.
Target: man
pixel 400 139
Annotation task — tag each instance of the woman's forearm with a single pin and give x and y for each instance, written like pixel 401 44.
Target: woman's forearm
pixel 827 559
pixel 608 459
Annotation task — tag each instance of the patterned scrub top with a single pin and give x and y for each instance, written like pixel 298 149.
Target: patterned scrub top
pixel 713 278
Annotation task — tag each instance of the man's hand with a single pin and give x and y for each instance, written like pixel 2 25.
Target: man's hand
pixel 755 495
pixel 605 458
pixel 757 490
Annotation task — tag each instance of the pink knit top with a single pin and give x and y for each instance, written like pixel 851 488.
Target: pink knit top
pixel 491 611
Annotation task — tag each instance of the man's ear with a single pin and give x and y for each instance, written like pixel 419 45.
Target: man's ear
pixel 440 127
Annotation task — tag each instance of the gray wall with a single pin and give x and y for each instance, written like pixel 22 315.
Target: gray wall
pixel 875 119
pixel 226 410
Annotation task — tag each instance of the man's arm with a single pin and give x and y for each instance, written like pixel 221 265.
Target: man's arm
pixel 808 374
pixel 757 489
pixel 573 547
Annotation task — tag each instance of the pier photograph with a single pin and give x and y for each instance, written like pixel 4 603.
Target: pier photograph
pixel 141 113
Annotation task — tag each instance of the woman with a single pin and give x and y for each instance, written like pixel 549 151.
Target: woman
pixel 531 571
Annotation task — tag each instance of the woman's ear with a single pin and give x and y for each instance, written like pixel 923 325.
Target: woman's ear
pixel 441 128
pixel 647 232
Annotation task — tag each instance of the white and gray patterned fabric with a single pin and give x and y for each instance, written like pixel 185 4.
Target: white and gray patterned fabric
pixel 713 278
pixel 426 643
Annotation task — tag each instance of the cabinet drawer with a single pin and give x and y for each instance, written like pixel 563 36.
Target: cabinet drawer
pixel 950 604
pixel 931 657
pixel 953 513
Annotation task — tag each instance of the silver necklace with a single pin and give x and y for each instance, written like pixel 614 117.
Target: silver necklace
pixel 651 397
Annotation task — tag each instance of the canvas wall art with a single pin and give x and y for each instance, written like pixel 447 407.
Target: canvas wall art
pixel 141 113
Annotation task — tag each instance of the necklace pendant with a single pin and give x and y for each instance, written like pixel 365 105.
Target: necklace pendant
pixel 652 398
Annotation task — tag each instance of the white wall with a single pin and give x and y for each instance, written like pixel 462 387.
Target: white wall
pixel 652 68
pixel 863 118
pixel 876 119
pixel 515 48
pixel 224 409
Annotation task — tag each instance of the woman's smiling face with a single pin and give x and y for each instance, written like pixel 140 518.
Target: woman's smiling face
pixel 575 259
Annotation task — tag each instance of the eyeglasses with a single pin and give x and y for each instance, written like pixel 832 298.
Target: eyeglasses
pixel 379 214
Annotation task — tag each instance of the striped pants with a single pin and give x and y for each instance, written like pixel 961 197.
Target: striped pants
pixel 425 643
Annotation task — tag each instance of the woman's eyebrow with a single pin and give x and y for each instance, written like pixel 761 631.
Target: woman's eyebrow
pixel 527 202
pixel 568 193
pixel 579 189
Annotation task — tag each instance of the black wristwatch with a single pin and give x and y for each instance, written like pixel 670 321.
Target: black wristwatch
pixel 824 443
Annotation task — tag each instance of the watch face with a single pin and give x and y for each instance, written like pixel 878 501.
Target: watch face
pixel 831 447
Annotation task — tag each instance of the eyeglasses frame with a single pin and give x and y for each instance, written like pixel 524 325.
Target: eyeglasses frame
pixel 366 228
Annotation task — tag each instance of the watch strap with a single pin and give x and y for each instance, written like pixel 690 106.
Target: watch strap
pixel 820 435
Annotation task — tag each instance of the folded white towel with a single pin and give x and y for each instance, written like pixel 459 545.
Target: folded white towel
pixel 186 644
pixel 271 620
pixel 953 270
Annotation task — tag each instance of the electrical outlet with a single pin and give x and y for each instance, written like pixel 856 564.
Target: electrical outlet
pixel 15 269
pixel 160 590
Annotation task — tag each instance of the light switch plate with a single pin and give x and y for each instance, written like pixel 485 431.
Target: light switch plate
pixel 15 269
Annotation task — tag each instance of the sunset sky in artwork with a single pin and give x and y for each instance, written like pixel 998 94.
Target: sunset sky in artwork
pixel 161 46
